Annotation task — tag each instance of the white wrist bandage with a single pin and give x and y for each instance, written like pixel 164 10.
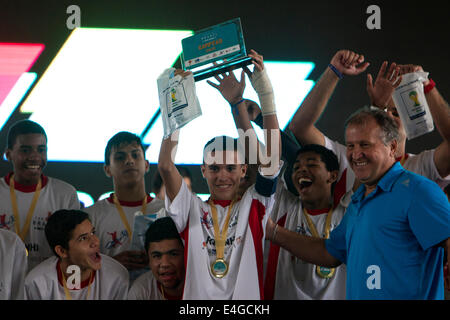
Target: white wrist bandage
pixel 261 83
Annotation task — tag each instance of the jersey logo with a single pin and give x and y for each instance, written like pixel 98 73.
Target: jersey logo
pixel 116 241
pixel 6 224
pixel 204 219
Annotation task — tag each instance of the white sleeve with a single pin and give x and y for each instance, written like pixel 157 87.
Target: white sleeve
pixel 137 291
pixel 423 164
pixel 19 271
pixel 32 290
pixel 74 202
pixel 179 208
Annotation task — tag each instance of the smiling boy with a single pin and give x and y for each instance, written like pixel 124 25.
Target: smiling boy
pixel 224 236
pixel 28 196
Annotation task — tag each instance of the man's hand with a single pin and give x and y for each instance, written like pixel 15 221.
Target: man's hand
pixel 380 92
pixel 230 88
pixel 270 228
pixel 349 62
pixel 132 260
pixel 409 68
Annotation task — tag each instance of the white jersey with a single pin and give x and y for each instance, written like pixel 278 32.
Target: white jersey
pixel 422 164
pixel 13 266
pixel 55 194
pixel 109 227
pixel 45 282
pixel 243 248
pixel 146 288
pixel 289 278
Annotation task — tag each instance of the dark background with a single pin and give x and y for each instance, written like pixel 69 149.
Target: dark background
pixel 411 32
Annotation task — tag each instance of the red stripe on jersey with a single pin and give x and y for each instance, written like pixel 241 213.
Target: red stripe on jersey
pixel 110 199
pixel 340 189
pixel 185 236
pixel 24 188
pixel 257 212
pixel 272 264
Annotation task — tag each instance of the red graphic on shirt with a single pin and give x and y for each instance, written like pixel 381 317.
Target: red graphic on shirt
pixel 3 224
pixel 114 242
pixel 204 219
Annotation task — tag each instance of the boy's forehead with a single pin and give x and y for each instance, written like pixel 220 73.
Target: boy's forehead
pixel 82 228
pixel 222 157
pixel 165 245
pixel 309 155
pixel 128 145
pixel 30 138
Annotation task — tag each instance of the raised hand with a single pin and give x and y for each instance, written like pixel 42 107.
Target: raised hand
pixel 349 62
pixel 380 92
pixel 409 68
pixel 230 88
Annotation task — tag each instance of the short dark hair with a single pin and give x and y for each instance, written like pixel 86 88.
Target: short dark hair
pixel 23 127
pixel 326 155
pixel 60 226
pixel 221 143
pixel 389 129
pixel 162 229
pixel 123 137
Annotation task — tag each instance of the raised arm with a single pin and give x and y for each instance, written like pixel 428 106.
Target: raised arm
pixel 166 166
pixel 261 83
pixel 232 90
pixel 345 62
pixel 380 94
pixel 440 112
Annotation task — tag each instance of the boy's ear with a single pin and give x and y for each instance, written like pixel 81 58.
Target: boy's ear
pixel 61 252
pixel 107 170
pixel 147 166
pixel 244 169
pixel 203 168
pixel 333 176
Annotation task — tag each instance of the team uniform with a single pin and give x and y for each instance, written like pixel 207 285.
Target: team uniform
pixel 109 227
pixel 54 195
pixel 111 230
pixel 391 247
pixel 147 288
pixel 13 266
pixel 422 164
pixel 45 282
pixel 243 246
pixel 290 278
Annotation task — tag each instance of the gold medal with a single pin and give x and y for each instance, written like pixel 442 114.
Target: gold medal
pixel 219 268
pixel 322 272
pixel 325 272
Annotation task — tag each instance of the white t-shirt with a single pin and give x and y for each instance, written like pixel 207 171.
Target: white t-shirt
pixel 109 227
pixel 55 194
pixel 289 278
pixel 13 266
pixel 110 282
pixel 146 288
pixel 243 248
pixel 422 164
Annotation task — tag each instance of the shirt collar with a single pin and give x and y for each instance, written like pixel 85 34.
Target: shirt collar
pixel 386 182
